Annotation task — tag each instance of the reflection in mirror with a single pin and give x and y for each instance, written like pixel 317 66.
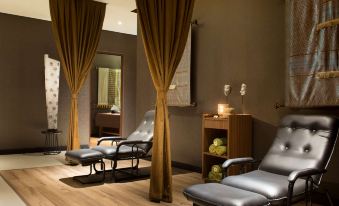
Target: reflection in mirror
pixel 109 87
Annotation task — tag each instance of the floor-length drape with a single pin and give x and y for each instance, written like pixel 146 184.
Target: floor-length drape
pixel 164 26
pixel 76 26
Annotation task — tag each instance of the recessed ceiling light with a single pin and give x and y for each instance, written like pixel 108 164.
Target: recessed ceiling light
pixel 119 22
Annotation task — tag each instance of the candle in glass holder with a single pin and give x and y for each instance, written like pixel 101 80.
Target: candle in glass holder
pixel 224 110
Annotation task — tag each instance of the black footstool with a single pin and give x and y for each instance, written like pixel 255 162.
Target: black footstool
pixel 87 157
pixel 223 195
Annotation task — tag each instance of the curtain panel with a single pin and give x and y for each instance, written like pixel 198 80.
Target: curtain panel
pixel 76 27
pixel 164 27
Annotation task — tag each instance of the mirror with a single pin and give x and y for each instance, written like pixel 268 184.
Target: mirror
pixel 109 87
pixel 106 95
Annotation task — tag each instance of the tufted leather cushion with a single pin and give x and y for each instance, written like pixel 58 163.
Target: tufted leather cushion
pixel 110 151
pixel 270 185
pixel 84 156
pixel 303 141
pixel 144 131
pixel 212 194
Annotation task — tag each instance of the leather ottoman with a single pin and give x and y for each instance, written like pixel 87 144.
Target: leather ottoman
pixel 84 156
pixel 214 194
pixel 87 157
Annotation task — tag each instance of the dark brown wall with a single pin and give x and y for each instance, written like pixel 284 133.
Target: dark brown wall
pixel 23 42
pixel 125 45
pixel 236 41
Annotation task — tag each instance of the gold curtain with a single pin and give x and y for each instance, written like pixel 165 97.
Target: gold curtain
pixel 164 26
pixel 76 26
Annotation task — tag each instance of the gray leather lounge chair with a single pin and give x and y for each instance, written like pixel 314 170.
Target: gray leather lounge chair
pixel 135 146
pixel 292 168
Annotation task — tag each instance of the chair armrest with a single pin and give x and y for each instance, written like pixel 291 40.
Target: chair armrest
pixel 304 173
pixel 236 161
pixel 294 175
pixel 134 143
pixel 114 138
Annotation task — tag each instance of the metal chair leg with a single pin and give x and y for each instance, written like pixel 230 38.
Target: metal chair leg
pixel 90 169
pixel 113 169
pixel 311 190
pixel 306 192
pixel 329 198
pixel 102 163
pixel 290 193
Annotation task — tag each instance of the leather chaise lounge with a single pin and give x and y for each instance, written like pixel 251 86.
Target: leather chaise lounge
pixel 135 146
pixel 291 169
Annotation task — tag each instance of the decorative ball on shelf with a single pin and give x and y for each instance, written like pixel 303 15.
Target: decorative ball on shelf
pixel 216 173
pixel 216 168
pixel 211 148
pixel 215 176
pixel 220 150
pixel 219 141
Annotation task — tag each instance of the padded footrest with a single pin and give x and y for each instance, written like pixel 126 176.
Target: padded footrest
pixel 87 157
pixel 218 194
pixel 84 156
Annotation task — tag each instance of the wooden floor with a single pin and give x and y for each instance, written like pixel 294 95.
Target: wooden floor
pixel 53 186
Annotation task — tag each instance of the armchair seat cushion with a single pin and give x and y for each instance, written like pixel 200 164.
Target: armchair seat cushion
pixel 110 151
pixel 270 185
pixel 220 195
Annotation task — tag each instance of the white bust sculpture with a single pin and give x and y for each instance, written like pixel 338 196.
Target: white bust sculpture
pixel 243 89
pixel 227 89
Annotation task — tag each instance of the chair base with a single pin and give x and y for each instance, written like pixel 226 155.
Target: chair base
pixel 130 174
pixel 126 174
pixel 92 178
pixel 89 179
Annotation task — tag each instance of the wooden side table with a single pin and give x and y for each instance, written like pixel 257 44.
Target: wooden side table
pixel 237 129
pixel 108 121
pixel 51 141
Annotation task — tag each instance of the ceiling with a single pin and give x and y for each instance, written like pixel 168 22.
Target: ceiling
pixel 118 18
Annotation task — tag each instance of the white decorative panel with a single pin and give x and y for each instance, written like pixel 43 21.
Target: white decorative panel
pixel 52 74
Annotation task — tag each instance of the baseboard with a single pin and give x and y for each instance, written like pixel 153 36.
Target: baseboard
pixel 33 150
pixel 185 166
pixel 180 165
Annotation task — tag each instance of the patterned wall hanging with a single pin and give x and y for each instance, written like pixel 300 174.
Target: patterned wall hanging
pixel 52 74
pixel 312 67
pixel 179 93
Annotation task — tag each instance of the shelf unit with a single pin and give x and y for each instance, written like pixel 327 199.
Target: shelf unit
pixel 237 128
